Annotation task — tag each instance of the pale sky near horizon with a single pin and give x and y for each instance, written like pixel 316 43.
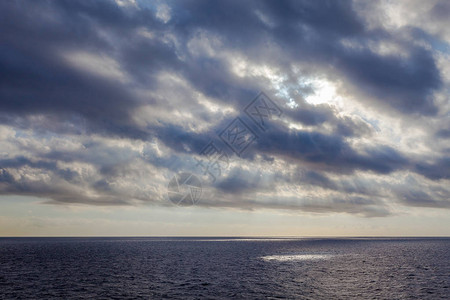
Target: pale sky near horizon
pixel 27 216
pixel 103 103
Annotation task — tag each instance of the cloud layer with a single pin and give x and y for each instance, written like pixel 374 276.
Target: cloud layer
pixel 101 103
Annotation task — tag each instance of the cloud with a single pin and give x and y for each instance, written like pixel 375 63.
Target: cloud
pixel 102 103
pixel 439 169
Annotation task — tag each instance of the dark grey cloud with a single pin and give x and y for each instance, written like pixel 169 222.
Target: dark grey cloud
pixel 35 78
pixel 439 169
pixel 311 115
pixel 414 193
pixel 6 177
pixel 241 181
pixel 441 10
pixel 318 179
pixel 443 133
pixel 404 84
pixel 323 114
pixel 330 152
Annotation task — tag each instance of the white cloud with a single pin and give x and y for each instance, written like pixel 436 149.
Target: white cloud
pixel 96 64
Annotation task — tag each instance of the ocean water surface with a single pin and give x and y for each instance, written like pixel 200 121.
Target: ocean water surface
pixel 222 268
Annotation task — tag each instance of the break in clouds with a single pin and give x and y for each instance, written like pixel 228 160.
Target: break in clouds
pixel 102 102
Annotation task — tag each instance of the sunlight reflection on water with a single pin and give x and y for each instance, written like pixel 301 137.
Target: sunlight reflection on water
pixel 296 257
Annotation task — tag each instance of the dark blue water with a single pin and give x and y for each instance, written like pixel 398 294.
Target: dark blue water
pixel 192 268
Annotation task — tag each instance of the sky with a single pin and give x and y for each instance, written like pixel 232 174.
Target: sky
pixel 295 118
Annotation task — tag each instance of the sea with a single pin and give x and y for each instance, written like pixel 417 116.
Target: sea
pixel 224 268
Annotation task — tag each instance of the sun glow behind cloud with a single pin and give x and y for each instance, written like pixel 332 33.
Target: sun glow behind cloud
pixel 324 91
